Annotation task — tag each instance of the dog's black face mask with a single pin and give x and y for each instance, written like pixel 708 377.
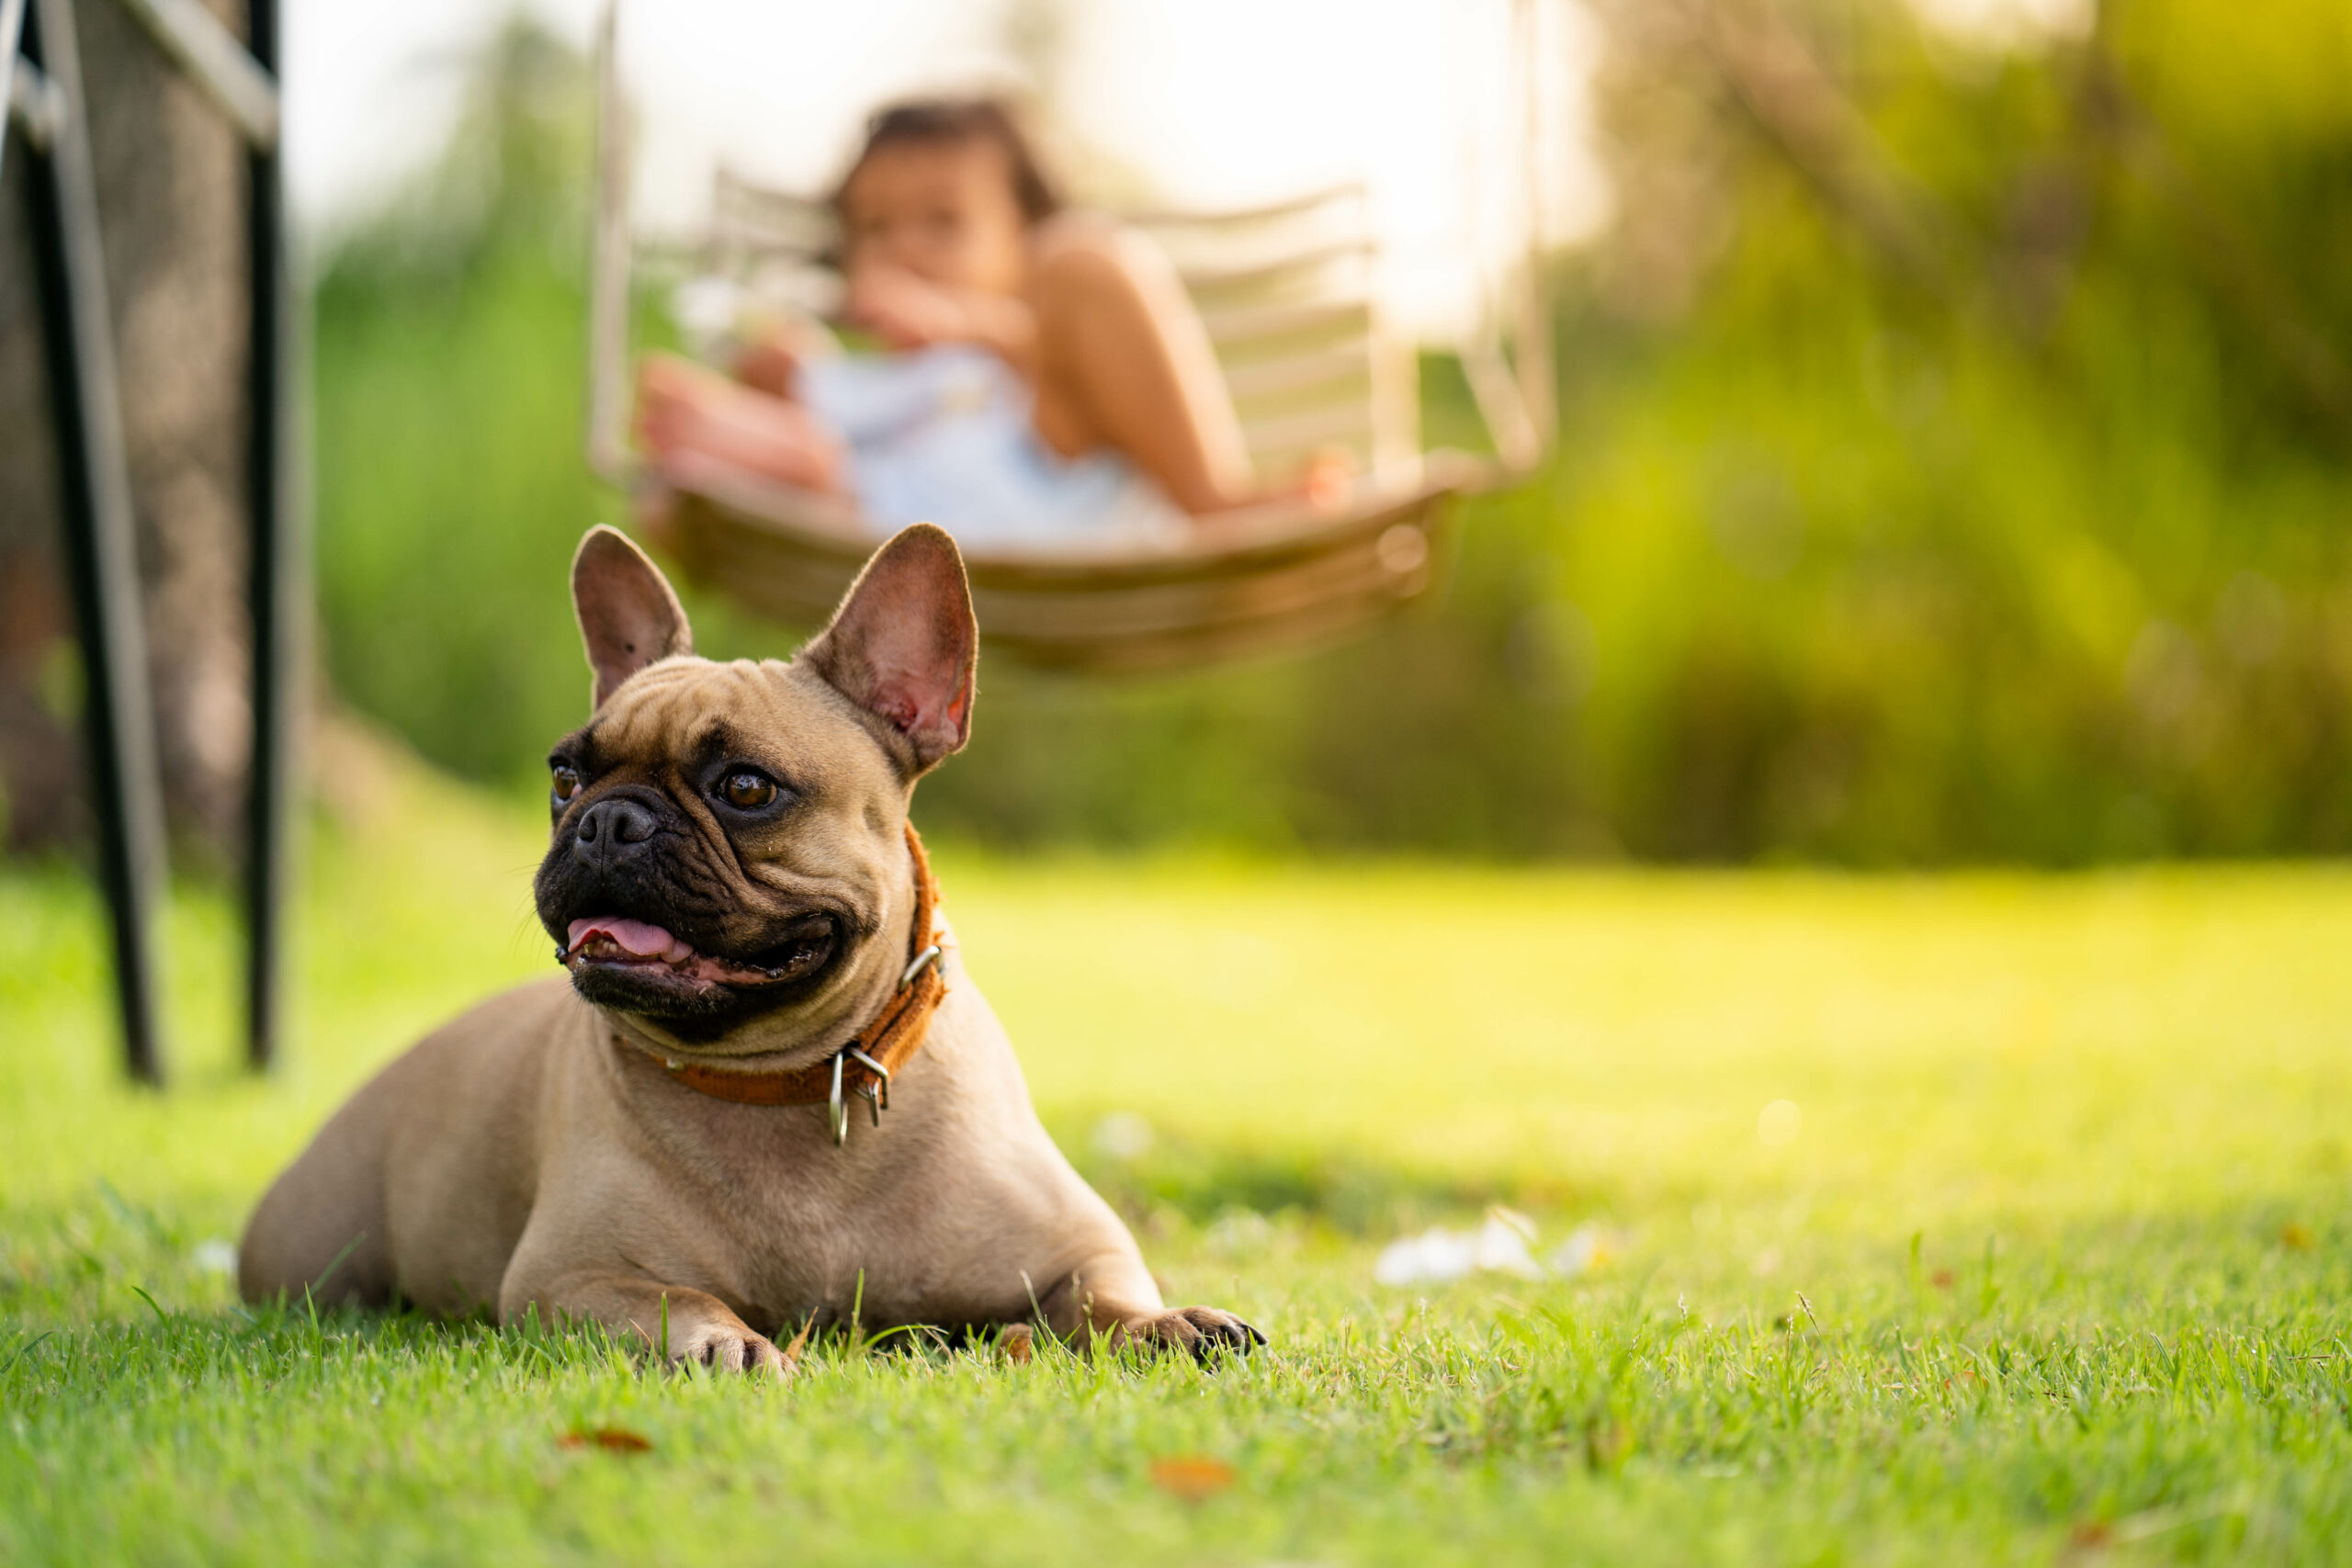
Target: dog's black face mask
pixel 650 921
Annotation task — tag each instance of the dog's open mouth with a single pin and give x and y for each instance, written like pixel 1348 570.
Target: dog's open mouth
pixel 615 944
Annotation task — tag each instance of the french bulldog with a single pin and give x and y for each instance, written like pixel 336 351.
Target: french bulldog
pixel 684 1137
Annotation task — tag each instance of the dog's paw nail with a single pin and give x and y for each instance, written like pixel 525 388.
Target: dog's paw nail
pixel 1217 1332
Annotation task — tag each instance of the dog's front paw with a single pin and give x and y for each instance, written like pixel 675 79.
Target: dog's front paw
pixel 1203 1331
pixel 723 1348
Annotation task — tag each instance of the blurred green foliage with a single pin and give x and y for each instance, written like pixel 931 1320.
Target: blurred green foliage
pixel 1952 467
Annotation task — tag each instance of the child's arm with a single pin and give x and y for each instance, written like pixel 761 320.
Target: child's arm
pixel 769 363
pixel 774 346
pixel 907 311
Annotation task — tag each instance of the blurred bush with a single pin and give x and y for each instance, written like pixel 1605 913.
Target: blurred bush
pixel 450 371
pixel 1953 466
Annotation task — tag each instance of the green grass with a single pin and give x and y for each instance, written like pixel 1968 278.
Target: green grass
pixel 2057 1267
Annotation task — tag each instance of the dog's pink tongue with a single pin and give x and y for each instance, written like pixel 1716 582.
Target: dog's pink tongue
pixel 634 937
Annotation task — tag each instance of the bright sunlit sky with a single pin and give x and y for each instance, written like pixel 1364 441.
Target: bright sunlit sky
pixel 1206 103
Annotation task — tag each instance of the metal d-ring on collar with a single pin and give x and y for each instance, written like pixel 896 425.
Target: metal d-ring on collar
pixel 877 1093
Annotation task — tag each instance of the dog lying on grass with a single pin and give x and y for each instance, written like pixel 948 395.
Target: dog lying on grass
pixel 686 1139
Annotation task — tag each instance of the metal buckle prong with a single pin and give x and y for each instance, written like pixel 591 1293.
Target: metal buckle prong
pixel 923 960
pixel 836 1111
pixel 879 1091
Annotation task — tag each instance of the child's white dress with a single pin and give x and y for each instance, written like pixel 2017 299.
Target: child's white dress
pixel 943 435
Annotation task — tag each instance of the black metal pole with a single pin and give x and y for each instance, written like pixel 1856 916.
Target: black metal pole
pixel 277 568
pixel 100 546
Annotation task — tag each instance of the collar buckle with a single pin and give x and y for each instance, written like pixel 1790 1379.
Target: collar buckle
pixel 836 1112
pixel 877 1090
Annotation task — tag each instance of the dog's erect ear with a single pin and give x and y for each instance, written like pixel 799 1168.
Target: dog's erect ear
pixel 903 645
pixel 628 616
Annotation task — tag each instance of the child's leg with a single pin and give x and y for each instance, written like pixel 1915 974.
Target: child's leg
pixel 1124 362
pixel 687 416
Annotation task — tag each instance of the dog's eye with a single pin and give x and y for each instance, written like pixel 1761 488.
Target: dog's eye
pixel 567 782
pixel 747 791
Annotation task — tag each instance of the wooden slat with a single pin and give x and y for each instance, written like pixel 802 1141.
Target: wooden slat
pixel 1298 265
pixel 1259 327
pixel 744 215
pixel 808 238
pixel 1245 217
pixel 731 191
pixel 732 185
pixel 1351 421
pixel 1305 424
pixel 748 238
pixel 1260 379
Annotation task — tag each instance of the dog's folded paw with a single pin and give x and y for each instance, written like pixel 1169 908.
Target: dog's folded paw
pixel 725 1349
pixel 1203 1331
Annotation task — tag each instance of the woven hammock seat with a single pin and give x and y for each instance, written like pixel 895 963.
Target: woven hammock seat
pixel 1288 296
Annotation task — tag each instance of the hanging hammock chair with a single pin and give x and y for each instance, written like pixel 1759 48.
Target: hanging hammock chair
pixel 1287 293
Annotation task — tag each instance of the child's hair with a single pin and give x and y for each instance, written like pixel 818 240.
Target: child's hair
pixel 946 122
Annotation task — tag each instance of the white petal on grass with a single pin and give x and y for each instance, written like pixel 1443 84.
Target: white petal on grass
pixel 1500 1246
pixel 1589 1246
pixel 1777 1125
pixel 214 1256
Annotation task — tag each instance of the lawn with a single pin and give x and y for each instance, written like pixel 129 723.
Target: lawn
pixel 2049 1261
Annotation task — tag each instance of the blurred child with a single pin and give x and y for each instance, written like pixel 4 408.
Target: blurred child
pixel 1047 378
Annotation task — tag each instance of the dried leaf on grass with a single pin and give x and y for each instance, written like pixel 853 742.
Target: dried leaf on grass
pixel 799 1343
pixel 2090 1536
pixel 1194 1477
pixel 612 1439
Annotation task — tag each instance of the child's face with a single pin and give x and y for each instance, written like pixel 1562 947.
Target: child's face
pixel 944 211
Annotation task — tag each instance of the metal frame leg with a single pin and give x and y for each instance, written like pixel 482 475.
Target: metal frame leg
pixel 101 549
pixel 276 571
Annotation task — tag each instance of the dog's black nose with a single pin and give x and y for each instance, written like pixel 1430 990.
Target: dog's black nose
pixel 609 829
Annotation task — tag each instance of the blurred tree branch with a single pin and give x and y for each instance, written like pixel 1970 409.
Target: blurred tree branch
pixel 1805 117
pixel 2231 259
pixel 1799 111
